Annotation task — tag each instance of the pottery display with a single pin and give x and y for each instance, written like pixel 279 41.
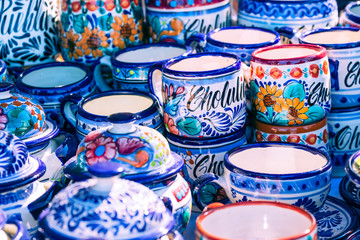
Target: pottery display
pixel 11 228
pixel 202 95
pixel 176 21
pixel 351 15
pixel 352 168
pixel 314 135
pixel 92 112
pixel 290 84
pixel 49 83
pixel 93 29
pixel 288 17
pixel 241 41
pixel 264 220
pixel 283 172
pixel 343 47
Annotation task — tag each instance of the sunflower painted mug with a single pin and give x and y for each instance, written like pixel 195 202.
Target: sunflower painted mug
pixel 290 84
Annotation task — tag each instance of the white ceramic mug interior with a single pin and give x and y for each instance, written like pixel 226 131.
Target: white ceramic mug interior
pixel 277 160
pixel 286 52
pixel 355 10
pixel 257 221
pixel 202 64
pixel 150 54
pixel 242 36
pixel 107 105
pixel 335 36
pixel 56 76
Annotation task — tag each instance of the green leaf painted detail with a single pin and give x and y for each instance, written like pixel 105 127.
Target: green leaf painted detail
pixel 294 90
pixel 189 125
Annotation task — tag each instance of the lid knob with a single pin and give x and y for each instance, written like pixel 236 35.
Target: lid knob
pixel 122 122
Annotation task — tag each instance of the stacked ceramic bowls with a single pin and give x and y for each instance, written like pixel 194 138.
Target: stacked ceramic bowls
pixel 290 94
pixel 343 48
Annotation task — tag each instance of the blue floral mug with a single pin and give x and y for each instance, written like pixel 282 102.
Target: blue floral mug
pixel 202 95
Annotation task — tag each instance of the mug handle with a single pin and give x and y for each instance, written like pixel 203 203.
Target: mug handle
pixel 289 35
pixel 99 80
pixel 65 108
pixel 200 191
pixel 155 83
pixel 21 233
pixel 67 148
pixel 197 42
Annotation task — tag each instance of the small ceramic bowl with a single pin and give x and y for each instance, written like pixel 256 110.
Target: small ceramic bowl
pixel 351 15
pixel 283 172
pixel 256 220
pixel 352 168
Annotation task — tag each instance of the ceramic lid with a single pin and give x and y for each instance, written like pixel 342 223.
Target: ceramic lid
pixel 17 168
pixel 106 208
pixel 19 115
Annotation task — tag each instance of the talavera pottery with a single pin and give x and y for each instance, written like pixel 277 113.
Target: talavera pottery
pixel 354 236
pixel 352 168
pixel 12 228
pixel 350 192
pixel 145 156
pixel 130 67
pixel 290 84
pixel 256 220
pixel 18 185
pixel 29 35
pixel 106 208
pixel 343 126
pixel 314 135
pixel 203 95
pixel 288 17
pixel 4 77
pixel 93 29
pixel 351 15
pixel 176 21
pixel 343 49
pixel 49 83
pixel 238 40
pixel 92 112
pixel 283 172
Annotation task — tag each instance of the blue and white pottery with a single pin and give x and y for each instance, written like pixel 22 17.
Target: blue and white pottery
pixel 202 95
pixel 284 172
pixel 106 208
pixel 238 40
pixel 49 83
pixel 92 112
pixel 343 126
pixel 4 77
pixel 350 192
pixel 130 67
pixel 351 15
pixel 343 49
pixel 29 32
pixel 354 236
pixel 288 17
pixel 174 23
pixel 6 228
pixel 145 157
pixel 18 183
pixel 352 168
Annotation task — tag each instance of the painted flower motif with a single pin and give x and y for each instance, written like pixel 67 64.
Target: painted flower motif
pixel 125 28
pixel 311 139
pixel 314 70
pixel 296 73
pixel 170 125
pixel 325 67
pixel 71 43
pixel 269 97
pixel 92 6
pixel 274 138
pixel 293 139
pixel 258 136
pixel 296 111
pixel 75 6
pixel 100 150
pixel 92 41
pixel 275 73
pixel 325 135
pixel 259 72
pixel 3 119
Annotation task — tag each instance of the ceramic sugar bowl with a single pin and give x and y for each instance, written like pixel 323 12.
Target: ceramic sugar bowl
pixel 145 156
pixel 107 208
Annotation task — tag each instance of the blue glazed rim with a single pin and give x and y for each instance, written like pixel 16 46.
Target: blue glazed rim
pixel 291 176
pixel 333 29
pixel 84 82
pixel 344 110
pixel 355 235
pixel 6 86
pixel 33 141
pixel 212 41
pixel 212 73
pixel 346 195
pixel 349 169
pixel 349 14
pixel 117 63
pixel 99 118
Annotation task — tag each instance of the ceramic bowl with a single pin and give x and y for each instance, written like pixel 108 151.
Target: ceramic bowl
pixel 351 17
pixel 284 172
pixel 256 220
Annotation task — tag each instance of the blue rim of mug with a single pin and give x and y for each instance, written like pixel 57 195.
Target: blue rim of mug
pixel 196 74
pixel 349 169
pixel 81 83
pixel 118 63
pixel 292 176
pixel 6 86
pixel 212 41
pixel 99 118
pixel 349 14
pixel 331 45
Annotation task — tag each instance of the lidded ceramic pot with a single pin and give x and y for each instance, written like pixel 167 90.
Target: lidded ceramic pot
pixel 11 228
pixel 106 208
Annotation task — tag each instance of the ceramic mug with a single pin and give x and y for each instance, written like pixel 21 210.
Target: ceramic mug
pixel 93 29
pixel 343 49
pixel 289 18
pixel 49 83
pixel 283 172
pixel 290 84
pixel 130 67
pixel 176 21
pixel 92 112
pixel 351 15
pixel 315 135
pixel 241 41
pixel 202 95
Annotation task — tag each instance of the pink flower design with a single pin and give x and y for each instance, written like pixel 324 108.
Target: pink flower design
pixel 170 125
pixel 3 119
pixel 100 150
